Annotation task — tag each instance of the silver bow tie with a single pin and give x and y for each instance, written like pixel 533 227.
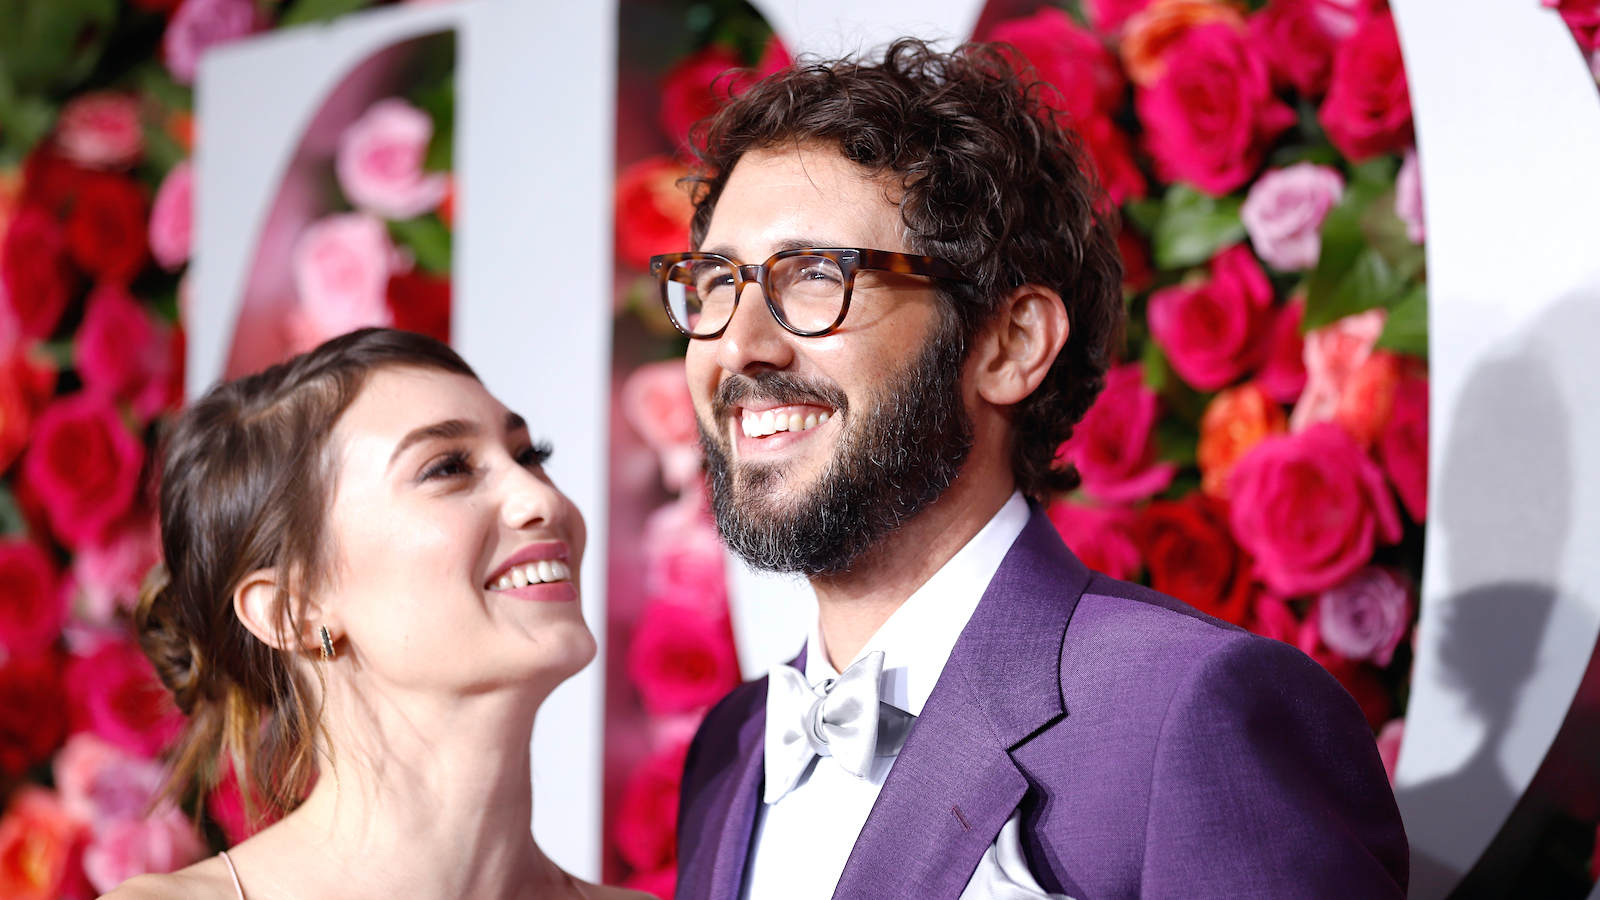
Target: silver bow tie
pixel 842 718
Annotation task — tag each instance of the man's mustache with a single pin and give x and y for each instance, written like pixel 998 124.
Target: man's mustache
pixel 774 387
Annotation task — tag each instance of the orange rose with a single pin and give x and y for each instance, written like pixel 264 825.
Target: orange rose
pixel 1237 420
pixel 37 844
pixel 1368 397
pixel 1158 26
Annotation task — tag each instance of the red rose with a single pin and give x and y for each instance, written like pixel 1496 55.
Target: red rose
pixel 26 385
pixel 1215 331
pixel 653 211
pixel 1310 507
pixel 1108 16
pixel 1085 83
pixel 420 302
pixel 1298 38
pixel 661 883
pixel 33 711
pixel 33 264
pixel 1114 447
pixel 681 659
pixel 83 465
pixel 1191 555
pixel 1368 107
pixel 30 617
pixel 1283 373
pixel 106 228
pixel 1403 446
pixel 699 84
pixel 1100 537
pixel 1136 272
pixel 122 353
pixel 51 181
pixel 647 815
pixel 116 694
pixel 1211 115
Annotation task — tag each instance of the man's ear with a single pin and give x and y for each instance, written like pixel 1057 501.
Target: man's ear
pixel 1019 345
pixel 255 602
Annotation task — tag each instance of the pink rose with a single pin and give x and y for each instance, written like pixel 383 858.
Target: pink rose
pixel 656 402
pixel 681 659
pixel 1310 507
pixel 101 130
pixel 1272 617
pixel 1366 615
pixel 100 782
pixel 199 25
pixel 1114 447
pixel 647 814
pixel 172 218
pixel 1108 16
pixel 1389 739
pixel 379 162
pixel 165 841
pixel 1101 537
pixel 31 615
pixel 341 270
pixel 1402 449
pixel 1215 331
pixel 1085 83
pixel 1368 107
pixel 83 465
pixel 1298 38
pixel 1408 198
pixel 1283 374
pixel 115 693
pixel 1212 114
pixel 1284 211
pixel 124 354
pixel 1333 354
pixel 684 559
pixel 109 572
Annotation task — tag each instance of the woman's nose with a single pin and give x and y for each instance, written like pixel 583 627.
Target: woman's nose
pixel 529 501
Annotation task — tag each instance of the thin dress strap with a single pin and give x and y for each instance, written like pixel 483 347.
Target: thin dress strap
pixel 233 872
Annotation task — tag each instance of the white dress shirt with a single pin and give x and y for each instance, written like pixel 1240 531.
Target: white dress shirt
pixel 802 841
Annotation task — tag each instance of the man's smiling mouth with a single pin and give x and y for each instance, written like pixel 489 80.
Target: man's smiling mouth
pixel 784 418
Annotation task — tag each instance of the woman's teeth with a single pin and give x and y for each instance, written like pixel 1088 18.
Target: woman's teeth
pixel 763 424
pixel 545 570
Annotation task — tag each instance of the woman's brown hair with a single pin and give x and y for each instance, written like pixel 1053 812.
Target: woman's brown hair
pixel 245 485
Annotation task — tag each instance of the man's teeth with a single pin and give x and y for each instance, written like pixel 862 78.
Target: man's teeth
pixel 762 424
pixel 545 570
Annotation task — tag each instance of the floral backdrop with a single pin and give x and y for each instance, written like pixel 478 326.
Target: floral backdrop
pixel 1260 450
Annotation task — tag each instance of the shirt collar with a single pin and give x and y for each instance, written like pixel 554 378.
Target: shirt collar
pixel 917 638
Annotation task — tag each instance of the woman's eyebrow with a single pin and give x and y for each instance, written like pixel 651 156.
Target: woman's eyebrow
pixel 449 429
pixel 515 422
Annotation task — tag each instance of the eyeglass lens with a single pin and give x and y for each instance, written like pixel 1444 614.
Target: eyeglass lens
pixel 807 293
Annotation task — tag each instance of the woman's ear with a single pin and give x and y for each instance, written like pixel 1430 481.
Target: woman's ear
pixel 255 602
pixel 1020 344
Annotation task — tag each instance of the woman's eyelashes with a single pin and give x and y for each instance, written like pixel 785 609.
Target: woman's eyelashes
pixel 458 463
pixel 534 455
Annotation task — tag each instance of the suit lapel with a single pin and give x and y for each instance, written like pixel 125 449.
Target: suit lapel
pixel 954 784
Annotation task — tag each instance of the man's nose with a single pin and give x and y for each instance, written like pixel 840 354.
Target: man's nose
pixel 753 339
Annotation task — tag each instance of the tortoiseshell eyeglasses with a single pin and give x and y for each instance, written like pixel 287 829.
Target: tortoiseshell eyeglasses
pixel 807 290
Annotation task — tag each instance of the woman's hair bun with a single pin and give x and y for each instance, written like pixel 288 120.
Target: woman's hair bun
pixel 170 645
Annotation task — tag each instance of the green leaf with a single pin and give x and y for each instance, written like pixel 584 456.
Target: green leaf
pixel 1157 371
pixel 305 11
pixel 1387 235
pixel 1343 243
pixel 1176 441
pixel 53 45
pixel 1406 330
pixel 12 522
pixel 1144 214
pixel 1193 227
pixel 1371 282
pixel 161 152
pixel 428 240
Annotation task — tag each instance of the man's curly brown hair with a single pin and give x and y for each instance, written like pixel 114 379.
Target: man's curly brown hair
pixel 989 177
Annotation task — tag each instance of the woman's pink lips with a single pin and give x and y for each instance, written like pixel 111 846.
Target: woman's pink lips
pixel 548 592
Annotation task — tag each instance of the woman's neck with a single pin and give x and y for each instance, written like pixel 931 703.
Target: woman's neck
pixel 424 799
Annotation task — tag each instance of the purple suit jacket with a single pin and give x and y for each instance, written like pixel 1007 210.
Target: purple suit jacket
pixel 1153 751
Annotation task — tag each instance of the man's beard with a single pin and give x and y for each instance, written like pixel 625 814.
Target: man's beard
pixel 893 460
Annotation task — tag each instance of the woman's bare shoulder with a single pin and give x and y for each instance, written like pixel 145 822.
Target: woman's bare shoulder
pixel 205 880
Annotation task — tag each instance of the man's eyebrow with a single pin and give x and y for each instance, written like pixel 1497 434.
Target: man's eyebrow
pixel 798 243
pixel 449 429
